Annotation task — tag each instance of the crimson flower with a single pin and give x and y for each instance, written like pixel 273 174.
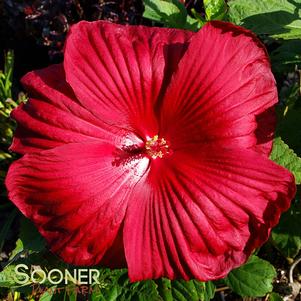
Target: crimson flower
pixel 148 148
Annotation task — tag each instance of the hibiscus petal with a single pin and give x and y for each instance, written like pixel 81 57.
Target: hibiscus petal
pixel 53 116
pixel 228 82
pixel 199 214
pixel 76 195
pixel 119 70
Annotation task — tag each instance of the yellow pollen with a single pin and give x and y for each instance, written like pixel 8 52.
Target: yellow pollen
pixel 156 147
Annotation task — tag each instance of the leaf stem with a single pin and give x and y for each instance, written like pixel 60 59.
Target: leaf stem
pixel 291 271
pixel 224 288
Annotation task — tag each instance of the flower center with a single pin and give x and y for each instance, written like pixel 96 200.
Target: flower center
pixel 157 147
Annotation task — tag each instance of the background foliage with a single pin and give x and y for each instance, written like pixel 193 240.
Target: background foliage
pixel 36 30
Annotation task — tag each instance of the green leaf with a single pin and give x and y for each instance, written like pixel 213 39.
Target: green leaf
pixel 253 279
pixel 198 17
pixel 30 237
pixel 192 24
pixel 18 249
pixel 275 297
pixel 284 156
pixel 115 286
pixel 277 18
pixel 7 277
pixel 180 290
pixel 215 9
pixel 289 129
pixel 47 296
pixel 72 295
pixel 287 56
pixel 6 76
pixel 4 155
pixel 287 235
pixel 171 13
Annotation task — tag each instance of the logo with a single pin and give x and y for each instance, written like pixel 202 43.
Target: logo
pixel 37 275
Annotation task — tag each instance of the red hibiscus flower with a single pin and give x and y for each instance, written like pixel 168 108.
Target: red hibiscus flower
pixel 148 148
